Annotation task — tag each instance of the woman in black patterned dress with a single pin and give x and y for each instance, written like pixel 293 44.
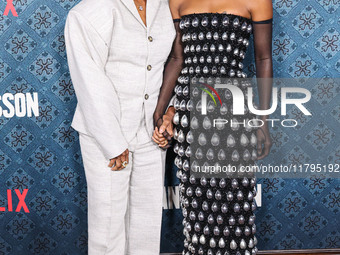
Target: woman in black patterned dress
pixel 211 44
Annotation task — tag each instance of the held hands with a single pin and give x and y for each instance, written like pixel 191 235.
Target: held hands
pixel 163 132
pixel 159 138
pixel 119 162
pixel 264 142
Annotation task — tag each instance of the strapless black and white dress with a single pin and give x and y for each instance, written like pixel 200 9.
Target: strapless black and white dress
pixel 218 212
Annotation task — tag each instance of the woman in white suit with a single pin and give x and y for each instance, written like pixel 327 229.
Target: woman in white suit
pixel 116 51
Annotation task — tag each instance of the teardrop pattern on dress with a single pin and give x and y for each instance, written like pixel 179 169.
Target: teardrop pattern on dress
pixel 218 213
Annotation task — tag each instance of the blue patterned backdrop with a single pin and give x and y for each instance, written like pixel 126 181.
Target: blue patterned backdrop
pixel 42 153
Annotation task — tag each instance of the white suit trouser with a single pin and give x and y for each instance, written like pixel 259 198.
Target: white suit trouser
pixel 124 207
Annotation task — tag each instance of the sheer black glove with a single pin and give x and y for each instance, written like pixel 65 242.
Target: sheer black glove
pixel 262 32
pixel 171 72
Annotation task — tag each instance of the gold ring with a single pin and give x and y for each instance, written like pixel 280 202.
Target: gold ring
pixel 124 163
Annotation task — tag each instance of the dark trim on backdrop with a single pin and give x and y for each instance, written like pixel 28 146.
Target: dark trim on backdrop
pixel 291 252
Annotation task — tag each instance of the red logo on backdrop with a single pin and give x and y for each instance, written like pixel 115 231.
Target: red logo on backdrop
pixel 10 7
pixel 21 203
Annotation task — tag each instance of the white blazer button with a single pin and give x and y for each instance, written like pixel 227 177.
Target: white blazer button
pixel 150 38
pixel 149 67
pixel 146 96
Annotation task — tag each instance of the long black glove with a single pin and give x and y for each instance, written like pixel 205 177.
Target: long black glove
pixel 171 73
pixel 262 32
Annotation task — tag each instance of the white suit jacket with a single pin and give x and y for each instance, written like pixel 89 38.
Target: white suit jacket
pixel 116 65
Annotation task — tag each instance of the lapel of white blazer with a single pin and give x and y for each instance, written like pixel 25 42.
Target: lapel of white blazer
pixel 151 11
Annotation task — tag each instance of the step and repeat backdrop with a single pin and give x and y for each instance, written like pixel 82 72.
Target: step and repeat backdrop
pixel 43 202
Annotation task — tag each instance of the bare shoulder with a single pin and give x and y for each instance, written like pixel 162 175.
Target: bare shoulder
pixel 175 6
pixel 261 9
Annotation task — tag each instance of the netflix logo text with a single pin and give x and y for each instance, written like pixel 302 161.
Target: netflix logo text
pixel 17 207
pixel 10 9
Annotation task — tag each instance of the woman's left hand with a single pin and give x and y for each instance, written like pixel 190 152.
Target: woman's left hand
pixel 264 141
